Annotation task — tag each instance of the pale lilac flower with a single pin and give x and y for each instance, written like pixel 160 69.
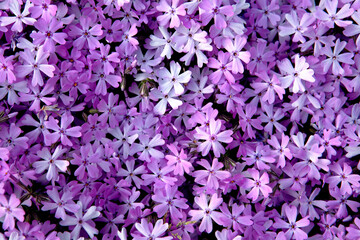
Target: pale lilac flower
pixel 335 57
pixel 209 9
pixel 44 9
pixel 295 27
pixel 171 98
pixel 223 67
pixel 82 220
pixel 9 210
pixel 147 147
pixel 271 86
pixel 173 79
pixel 148 232
pixel 19 17
pixel 60 203
pixel 169 201
pixel 344 176
pixel 332 16
pixel 51 163
pixel 63 131
pixel 307 205
pixel 294 75
pixel 213 138
pixel 354 29
pixel 234 48
pixel 163 42
pixel 6 69
pixel 207 212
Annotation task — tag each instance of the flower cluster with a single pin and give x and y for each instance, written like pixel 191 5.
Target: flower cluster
pixel 173 119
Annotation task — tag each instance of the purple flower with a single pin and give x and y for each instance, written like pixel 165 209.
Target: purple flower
pixel 295 27
pixel 63 131
pixel 87 32
pixel 335 57
pixel 210 9
pixel 169 200
pixel 212 175
pixel 35 65
pixel 343 176
pixel 332 16
pixel 292 226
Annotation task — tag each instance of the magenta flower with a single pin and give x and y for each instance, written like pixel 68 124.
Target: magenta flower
pixel 47 35
pixel 180 160
pixel 104 59
pixel 213 138
pixel 171 13
pixel 207 212
pixel 223 66
pixel 258 184
pixel 234 48
pixel 9 210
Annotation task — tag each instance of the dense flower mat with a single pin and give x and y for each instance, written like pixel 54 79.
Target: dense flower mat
pixel 171 119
